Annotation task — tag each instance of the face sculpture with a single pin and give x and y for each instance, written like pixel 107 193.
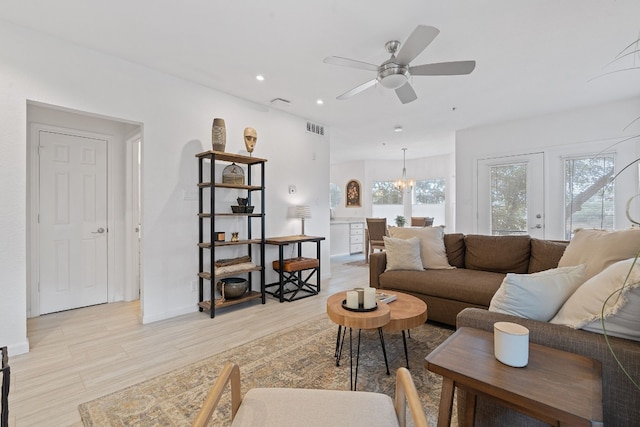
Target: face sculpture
pixel 250 139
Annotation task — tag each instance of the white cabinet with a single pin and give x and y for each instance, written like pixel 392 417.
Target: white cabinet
pixel 356 237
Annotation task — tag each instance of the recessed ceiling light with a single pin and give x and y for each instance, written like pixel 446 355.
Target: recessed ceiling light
pixel 260 77
pixel 398 129
pixel 319 102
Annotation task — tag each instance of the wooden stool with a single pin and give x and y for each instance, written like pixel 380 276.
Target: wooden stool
pixel 292 271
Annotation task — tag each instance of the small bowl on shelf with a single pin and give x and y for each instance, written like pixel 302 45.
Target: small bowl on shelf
pixel 238 209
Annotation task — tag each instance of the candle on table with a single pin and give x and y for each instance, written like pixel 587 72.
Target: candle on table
pixel 352 299
pixel 369 297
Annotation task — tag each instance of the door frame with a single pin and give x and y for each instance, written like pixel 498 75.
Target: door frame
pixel 33 238
pixel 133 210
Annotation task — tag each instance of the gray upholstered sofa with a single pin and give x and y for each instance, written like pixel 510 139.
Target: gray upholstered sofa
pixel 481 264
pixel 621 399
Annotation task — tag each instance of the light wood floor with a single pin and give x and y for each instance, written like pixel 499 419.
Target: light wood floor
pixel 82 354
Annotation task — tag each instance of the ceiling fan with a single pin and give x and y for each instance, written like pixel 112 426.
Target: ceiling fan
pixel 394 73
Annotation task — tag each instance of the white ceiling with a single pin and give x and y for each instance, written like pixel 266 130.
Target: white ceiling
pixel 533 57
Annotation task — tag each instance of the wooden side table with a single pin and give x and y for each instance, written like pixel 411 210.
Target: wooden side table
pixel 557 387
pixel 359 320
pixel 295 277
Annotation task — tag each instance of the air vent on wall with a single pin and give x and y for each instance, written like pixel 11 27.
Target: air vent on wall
pixel 314 128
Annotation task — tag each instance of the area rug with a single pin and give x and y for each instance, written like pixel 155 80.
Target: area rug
pixel 302 356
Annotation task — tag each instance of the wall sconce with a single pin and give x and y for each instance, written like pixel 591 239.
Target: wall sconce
pixel 303 212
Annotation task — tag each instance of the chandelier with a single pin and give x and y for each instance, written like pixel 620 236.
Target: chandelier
pixel 403 183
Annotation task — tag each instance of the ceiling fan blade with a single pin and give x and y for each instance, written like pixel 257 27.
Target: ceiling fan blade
pixel 356 90
pixel 406 93
pixel 443 68
pixel 418 41
pixel 346 62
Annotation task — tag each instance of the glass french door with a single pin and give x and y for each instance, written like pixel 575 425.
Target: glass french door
pixel 510 195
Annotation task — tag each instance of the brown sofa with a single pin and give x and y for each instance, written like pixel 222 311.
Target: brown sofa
pixel 481 264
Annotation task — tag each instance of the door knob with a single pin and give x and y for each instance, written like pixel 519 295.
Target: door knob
pixel 99 231
pixel 537 226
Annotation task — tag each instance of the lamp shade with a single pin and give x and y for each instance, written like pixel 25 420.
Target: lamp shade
pixel 303 211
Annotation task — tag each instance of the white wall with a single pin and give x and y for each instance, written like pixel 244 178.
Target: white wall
pixel 176 117
pixel 583 131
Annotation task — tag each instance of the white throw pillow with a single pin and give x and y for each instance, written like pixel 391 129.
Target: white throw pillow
pixel 402 254
pixel 432 250
pixel 537 296
pixel 583 310
pixel 598 249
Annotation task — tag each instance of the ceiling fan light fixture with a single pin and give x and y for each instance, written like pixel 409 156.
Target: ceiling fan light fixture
pixel 392 75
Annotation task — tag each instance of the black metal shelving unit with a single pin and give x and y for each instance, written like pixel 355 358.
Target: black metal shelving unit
pixel 207 246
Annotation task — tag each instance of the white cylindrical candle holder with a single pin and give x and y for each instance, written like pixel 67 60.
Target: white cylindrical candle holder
pixel 511 344
pixel 369 298
pixel 360 292
pixel 352 299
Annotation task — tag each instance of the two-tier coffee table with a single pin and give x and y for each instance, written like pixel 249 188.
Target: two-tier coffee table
pixel 407 312
pixel 404 313
pixel 557 387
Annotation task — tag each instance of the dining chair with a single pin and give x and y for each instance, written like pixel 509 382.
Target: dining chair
pixel 376 230
pixel 283 407
pixel 421 221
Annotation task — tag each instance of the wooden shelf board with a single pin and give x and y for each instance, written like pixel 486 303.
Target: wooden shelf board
pixel 252 295
pixel 207 274
pixel 207 245
pixel 229 157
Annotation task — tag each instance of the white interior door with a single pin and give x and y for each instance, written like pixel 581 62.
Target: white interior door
pixel 510 196
pixel 72 226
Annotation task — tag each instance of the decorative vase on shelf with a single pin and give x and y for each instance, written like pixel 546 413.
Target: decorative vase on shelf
pixel 218 135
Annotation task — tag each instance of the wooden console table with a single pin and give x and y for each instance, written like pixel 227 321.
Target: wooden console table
pixel 557 387
pixel 294 275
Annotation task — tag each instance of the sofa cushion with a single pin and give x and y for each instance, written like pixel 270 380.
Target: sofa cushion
pixel 454 245
pixel 619 287
pixel 402 254
pixel 545 254
pixel 598 249
pixel 469 286
pixel 500 254
pixel 537 296
pixel 432 250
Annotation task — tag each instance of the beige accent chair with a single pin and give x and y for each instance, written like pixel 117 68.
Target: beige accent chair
pixel 376 230
pixel 282 407
pixel 421 221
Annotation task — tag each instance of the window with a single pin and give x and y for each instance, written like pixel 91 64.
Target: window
pixel 386 193
pixel 334 195
pixel 589 197
pixel 386 200
pixel 508 199
pixel 429 200
pixel 429 192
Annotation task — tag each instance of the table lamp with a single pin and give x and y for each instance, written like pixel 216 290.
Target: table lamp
pixel 303 212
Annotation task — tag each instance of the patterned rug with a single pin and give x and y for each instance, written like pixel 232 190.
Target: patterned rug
pixel 302 357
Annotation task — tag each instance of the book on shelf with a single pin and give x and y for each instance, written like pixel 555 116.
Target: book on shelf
pixel 385 297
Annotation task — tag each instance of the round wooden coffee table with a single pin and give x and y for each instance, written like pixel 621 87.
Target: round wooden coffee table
pixel 407 312
pixel 359 320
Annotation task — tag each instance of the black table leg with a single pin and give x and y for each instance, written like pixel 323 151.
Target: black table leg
pixel 406 353
pixel 384 350
pixel 340 343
